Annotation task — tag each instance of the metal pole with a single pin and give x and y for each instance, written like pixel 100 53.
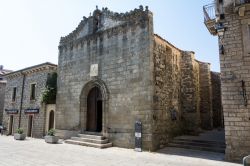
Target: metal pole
pixel 21 104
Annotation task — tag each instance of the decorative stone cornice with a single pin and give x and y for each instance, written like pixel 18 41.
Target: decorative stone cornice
pixel 70 44
pixel 200 62
pixel 133 15
pixel 31 70
pixel 167 42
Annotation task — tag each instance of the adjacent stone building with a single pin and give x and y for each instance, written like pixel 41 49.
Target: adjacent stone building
pixel 113 71
pixel 2 90
pixel 23 105
pixel 218 117
pixel 230 20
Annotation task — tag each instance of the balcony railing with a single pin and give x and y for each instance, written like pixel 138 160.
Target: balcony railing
pixel 210 18
pixel 209 12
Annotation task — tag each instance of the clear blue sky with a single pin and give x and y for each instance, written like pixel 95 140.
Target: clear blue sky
pixel 31 29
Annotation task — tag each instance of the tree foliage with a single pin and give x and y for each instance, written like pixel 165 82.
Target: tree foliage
pixel 49 94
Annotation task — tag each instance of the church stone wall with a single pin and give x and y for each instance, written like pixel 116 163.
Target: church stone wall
pixel 142 76
pixel 182 93
pixel 167 110
pixel 190 93
pixel 123 54
pixel 206 113
pixel 216 100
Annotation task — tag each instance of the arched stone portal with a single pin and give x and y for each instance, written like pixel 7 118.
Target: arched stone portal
pixel 94 106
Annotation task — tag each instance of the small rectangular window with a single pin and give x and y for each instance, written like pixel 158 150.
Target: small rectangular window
pixel 14 94
pixel 33 92
pixel 249 31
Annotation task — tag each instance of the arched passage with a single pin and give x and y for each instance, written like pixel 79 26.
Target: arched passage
pixel 93 106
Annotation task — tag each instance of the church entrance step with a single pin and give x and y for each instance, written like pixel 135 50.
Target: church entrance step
pixel 82 143
pixel 103 141
pixel 92 133
pixel 97 141
pixel 97 137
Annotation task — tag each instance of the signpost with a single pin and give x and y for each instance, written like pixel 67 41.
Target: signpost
pixel 31 111
pixel 138 136
pixel 11 111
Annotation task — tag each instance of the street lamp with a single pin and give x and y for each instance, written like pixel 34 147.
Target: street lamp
pixel 220 29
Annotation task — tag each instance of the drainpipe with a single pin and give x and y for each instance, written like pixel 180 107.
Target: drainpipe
pixel 21 104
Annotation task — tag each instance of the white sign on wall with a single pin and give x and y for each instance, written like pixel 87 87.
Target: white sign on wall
pixel 94 70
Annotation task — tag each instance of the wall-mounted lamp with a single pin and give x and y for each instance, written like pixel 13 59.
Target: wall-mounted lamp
pixel 221 49
pixel 220 29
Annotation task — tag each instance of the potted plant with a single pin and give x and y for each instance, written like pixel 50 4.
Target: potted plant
pixel 50 137
pixel 19 135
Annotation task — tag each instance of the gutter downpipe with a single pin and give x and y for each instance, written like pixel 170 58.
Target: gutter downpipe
pixel 21 104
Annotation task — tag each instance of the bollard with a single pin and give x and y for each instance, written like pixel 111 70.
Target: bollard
pixel 138 136
pixel 246 161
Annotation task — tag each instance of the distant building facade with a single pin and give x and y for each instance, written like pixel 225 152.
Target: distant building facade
pixel 2 90
pixel 230 20
pixel 113 71
pixel 23 106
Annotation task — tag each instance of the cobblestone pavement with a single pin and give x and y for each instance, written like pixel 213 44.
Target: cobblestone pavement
pixel 35 152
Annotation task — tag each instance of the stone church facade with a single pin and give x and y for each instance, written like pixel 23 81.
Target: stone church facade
pixel 113 71
pixel 230 20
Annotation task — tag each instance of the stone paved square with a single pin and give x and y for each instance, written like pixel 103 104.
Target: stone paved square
pixel 35 152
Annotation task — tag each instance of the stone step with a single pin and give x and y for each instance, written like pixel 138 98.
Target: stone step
pixel 82 143
pixel 97 141
pixel 199 143
pixel 89 136
pixel 202 148
pixel 92 133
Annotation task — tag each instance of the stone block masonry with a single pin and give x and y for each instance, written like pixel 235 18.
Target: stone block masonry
pixel 235 69
pixel 2 90
pixel 2 94
pixel 33 122
pixel 206 112
pixel 218 121
pixel 121 48
pixel 140 77
pixel 190 94
pixel 167 83
pixel 233 17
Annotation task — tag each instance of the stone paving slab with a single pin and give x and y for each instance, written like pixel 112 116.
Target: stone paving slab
pixel 210 135
pixel 35 152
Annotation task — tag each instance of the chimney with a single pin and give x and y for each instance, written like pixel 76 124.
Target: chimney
pixel 1 67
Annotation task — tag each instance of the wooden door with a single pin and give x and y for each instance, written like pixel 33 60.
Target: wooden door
pixel 51 120
pixel 11 125
pixel 93 110
pixel 30 125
